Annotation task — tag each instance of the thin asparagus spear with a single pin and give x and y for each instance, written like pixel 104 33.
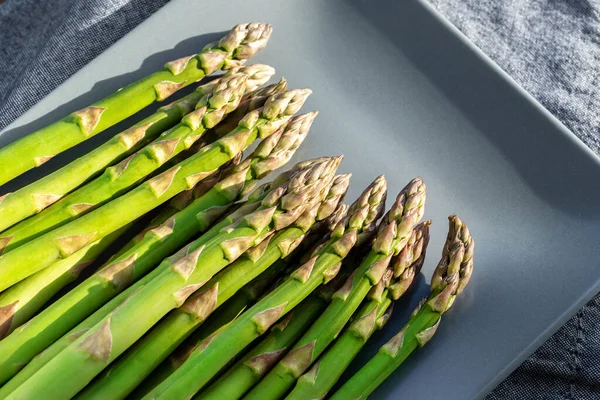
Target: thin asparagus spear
pixel 253 366
pixel 42 193
pixel 116 180
pixel 215 352
pixel 104 342
pixel 130 265
pixel 121 378
pixel 38 147
pixel 20 302
pixel 64 241
pixel 373 314
pixel 449 279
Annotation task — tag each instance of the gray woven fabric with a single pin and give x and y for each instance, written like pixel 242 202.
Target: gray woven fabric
pixel 551 47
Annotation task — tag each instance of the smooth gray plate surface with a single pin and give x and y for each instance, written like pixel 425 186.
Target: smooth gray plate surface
pixel 402 93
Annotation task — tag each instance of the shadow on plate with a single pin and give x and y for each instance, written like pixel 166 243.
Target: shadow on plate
pixel 552 161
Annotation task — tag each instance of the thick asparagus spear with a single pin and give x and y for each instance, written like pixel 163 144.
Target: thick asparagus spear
pixel 64 241
pixel 116 180
pixel 21 301
pixel 121 378
pixel 38 147
pixel 255 364
pixel 17 354
pixel 372 315
pixel 23 353
pixel 243 299
pixel 156 244
pixel 449 280
pixel 95 349
pixel 215 352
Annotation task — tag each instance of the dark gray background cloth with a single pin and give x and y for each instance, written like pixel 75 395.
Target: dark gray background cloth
pixel 550 47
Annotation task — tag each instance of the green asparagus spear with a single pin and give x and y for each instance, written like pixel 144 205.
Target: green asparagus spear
pixel 372 315
pixel 284 375
pixel 77 234
pixel 38 147
pixel 157 243
pixel 215 352
pixel 98 347
pixel 250 102
pixel 20 302
pixel 42 193
pixel 121 378
pixel 229 311
pixel 254 365
pixel 449 280
pixel 17 352
pixel 116 180
pixel 17 358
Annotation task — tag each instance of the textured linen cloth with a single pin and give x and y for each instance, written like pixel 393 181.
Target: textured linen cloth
pixel 550 47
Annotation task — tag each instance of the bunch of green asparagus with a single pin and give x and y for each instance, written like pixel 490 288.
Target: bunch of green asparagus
pixel 158 266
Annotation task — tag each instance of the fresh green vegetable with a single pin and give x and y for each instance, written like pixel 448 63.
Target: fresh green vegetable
pixel 215 352
pixel 122 377
pixel 116 180
pixel 96 349
pixel 33 150
pixel 372 315
pixel 449 280
pixel 130 265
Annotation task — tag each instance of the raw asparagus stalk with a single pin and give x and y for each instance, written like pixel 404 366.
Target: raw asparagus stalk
pixel 283 376
pixel 215 352
pixel 135 262
pixel 55 348
pixel 95 349
pixel 20 302
pixel 118 179
pixel 71 237
pixel 229 311
pixel 38 147
pixel 20 357
pixel 250 101
pixel 121 378
pixel 405 212
pixel 42 193
pixel 253 366
pixel 373 314
pixel 449 279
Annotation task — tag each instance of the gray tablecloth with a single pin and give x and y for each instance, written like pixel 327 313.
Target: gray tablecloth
pixel 551 47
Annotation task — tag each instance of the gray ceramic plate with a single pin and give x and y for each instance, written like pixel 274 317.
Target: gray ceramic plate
pixel 403 93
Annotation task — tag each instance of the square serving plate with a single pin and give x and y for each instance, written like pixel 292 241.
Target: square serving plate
pixel 402 92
